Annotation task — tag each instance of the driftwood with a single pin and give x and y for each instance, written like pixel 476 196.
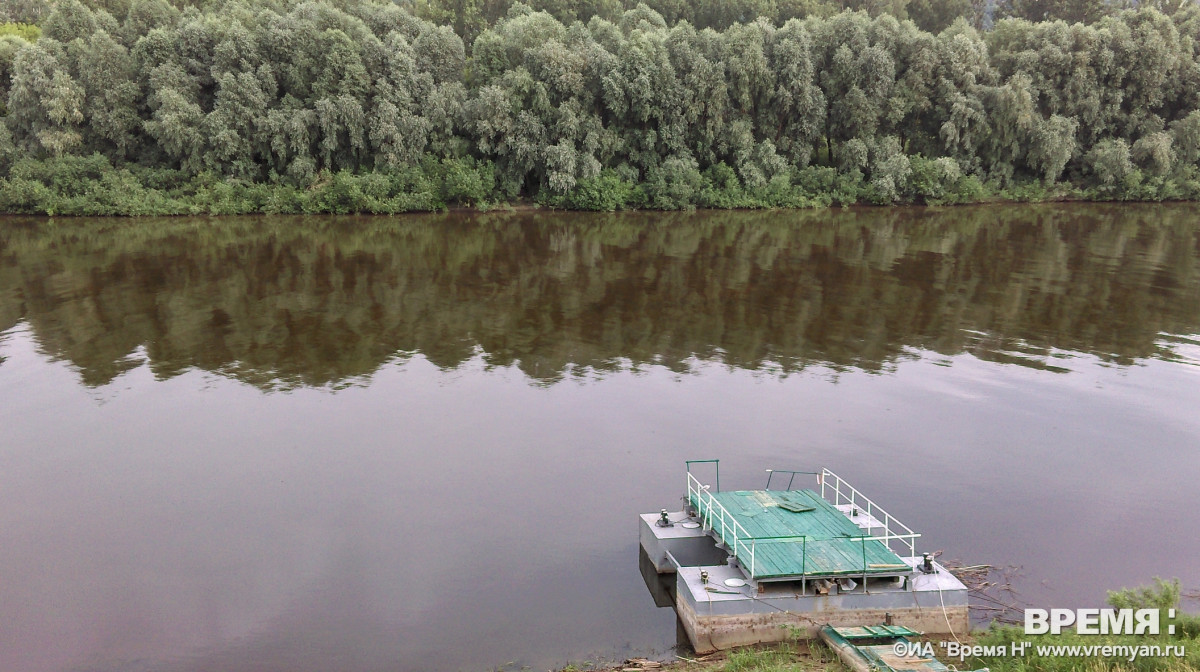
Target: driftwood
pixel 701 659
pixel 990 590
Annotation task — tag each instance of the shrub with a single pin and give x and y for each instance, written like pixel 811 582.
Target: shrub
pixel 1110 163
pixel 1153 153
pixel 467 181
pixel 826 185
pixel 675 185
pixel 607 191
pixel 940 182
pixel 25 31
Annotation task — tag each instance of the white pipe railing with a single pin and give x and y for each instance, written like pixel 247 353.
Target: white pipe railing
pixel 844 493
pixel 712 512
pixel 715 517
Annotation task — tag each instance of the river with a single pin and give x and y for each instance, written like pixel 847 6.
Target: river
pixel 419 443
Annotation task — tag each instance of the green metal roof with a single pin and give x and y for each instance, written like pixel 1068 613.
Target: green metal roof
pixel 832 544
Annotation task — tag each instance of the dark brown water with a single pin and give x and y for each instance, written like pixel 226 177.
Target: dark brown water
pixel 420 443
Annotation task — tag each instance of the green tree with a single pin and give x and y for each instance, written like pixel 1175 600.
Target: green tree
pixel 107 74
pixel 468 18
pixel 1153 153
pixel 1072 11
pixel 1185 138
pixel 796 113
pixel 177 118
pixel 24 11
pixel 1053 146
pixel 69 20
pixel 45 104
pixel 9 46
pixel 1109 160
pixel 146 15
pixel 936 15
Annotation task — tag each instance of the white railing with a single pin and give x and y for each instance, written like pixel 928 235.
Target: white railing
pixel 844 493
pixel 712 513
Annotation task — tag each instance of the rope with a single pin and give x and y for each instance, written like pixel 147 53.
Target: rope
pixel 946 614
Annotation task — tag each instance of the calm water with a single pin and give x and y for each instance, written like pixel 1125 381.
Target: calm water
pixel 420 443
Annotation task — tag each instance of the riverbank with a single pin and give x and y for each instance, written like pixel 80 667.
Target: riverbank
pixel 794 656
pixel 1178 653
pixel 92 185
pixel 1172 645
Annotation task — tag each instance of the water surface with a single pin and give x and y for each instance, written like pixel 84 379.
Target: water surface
pixel 420 443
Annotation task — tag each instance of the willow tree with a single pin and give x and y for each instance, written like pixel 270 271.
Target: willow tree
pixel 45 104
pixel 857 77
pixel 798 108
pixel 24 11
pixel 107 73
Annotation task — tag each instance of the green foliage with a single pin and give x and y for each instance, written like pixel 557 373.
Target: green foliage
pixel 890 170
pixel 251 107
pixel 819 182
pixel 1072 11
pixel 1153 153
pixel 90 185
pixel 1185 138
pixel 8 151
pixel 346 193
pixel 936 15
pixel 941 182
pixel 70 19
pixel 1109 161
pixel 466 181
pixel 468 18
pixel 605 192
pixel 676 185
pixel 25 31
pixel 45 104
pixel 24 11
pixel 1162 595
pixel 75 185
pixel 9 46
pixel 1052 147
pixel 146 15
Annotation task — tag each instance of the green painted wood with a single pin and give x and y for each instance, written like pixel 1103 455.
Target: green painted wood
pixel 884 659
pixel 875 631
pixel 833 545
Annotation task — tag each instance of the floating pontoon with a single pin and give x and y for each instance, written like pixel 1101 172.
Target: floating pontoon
pixel 754 566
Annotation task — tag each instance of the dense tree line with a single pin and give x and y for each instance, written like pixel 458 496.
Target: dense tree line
pixel 360 105
pixel 470 17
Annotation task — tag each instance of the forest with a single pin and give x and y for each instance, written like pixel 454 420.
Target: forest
pixel 150 107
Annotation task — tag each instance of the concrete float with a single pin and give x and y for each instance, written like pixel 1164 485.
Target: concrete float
pixel 758 566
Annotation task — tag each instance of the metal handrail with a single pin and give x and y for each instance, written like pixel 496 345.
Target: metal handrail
pixel 715 517
pixel 706 507
pixel 844 491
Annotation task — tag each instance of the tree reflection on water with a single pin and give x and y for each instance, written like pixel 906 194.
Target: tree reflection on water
pixel 282 302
